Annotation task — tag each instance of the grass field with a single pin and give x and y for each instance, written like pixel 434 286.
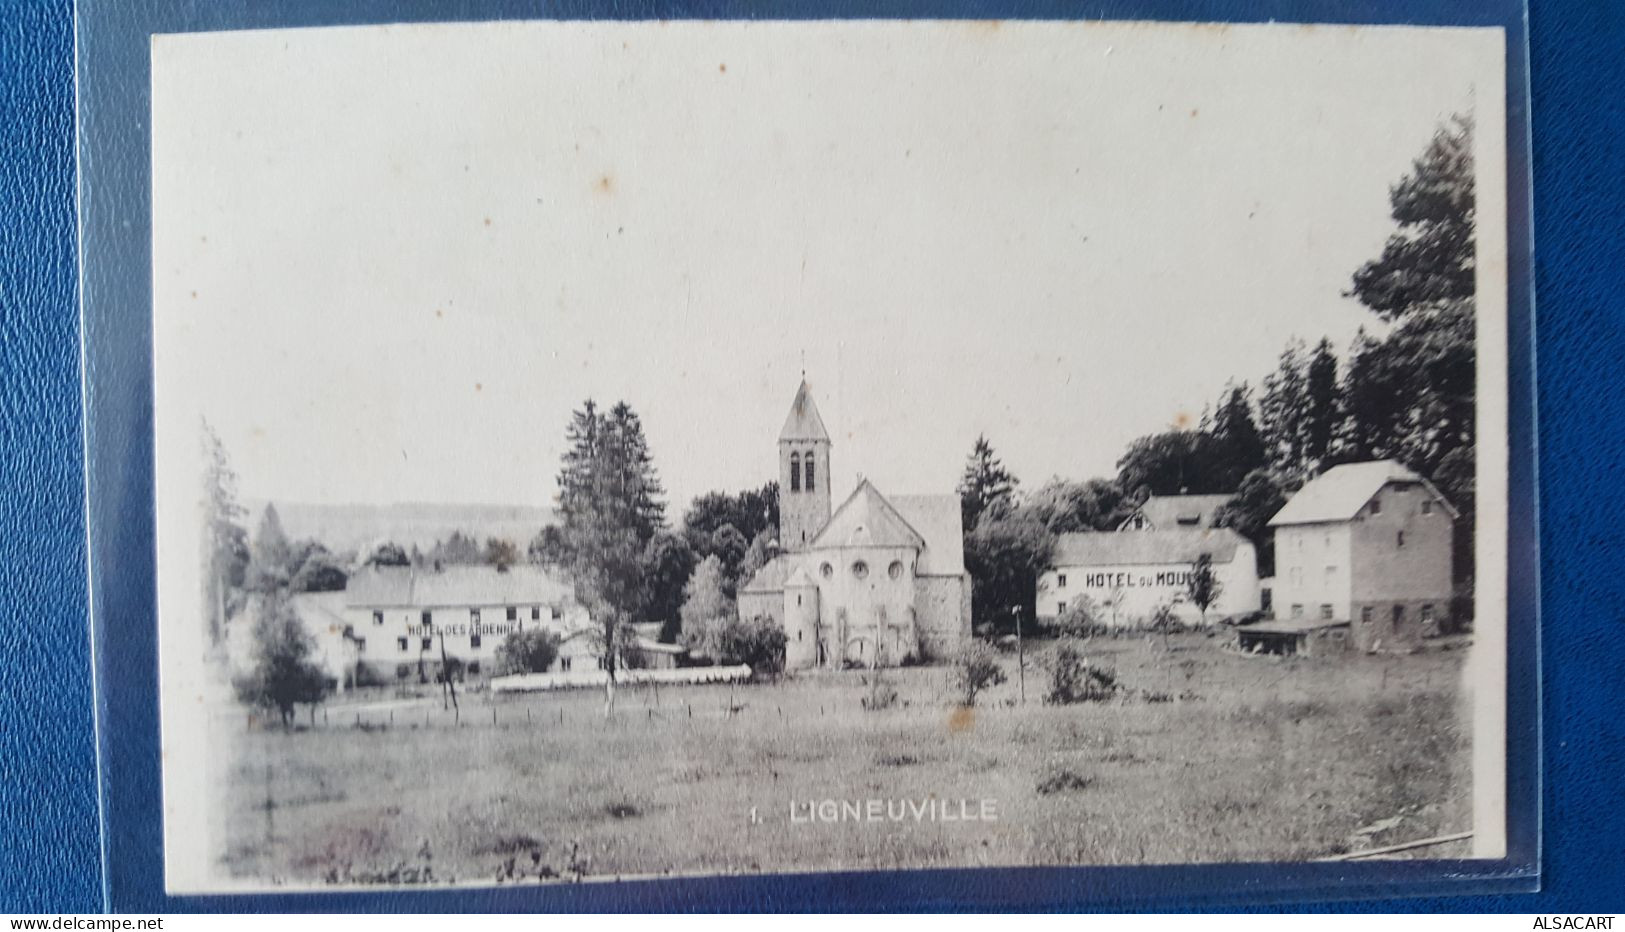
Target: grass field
pixel 1210 756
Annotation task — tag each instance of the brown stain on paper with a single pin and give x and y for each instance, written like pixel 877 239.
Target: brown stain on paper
pixel 962 719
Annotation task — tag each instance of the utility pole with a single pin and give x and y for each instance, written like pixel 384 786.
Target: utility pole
pixel 1021 656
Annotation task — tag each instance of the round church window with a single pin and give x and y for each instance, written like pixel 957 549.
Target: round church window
pixel 860 569
pixel 827 570
pixel 895 571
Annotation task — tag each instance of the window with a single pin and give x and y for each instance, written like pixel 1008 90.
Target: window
pixel 1365 614
pixel 1427 506
pixel 1297 610
pixel 1060 580
pixel 1325 612
pixel 377 618
pixel 474 668
pixel 1400 538
pixel 895 571
pixel 403 670
pixel 401 643
pixel 564 664
pixel 795 472
pixel 1427 614
pixel 360 645
pixel 1399 616
pixel 860 569
pixel 1376 506
pixel 557 613
pixel 826 571
pixel 474 641
pixel 428 643
pixel 809 469
pixel 474 616
pixel 798 634
pixel 1060 608
pixel 535 613
pixel 798 598
pixel 428 618
pixel 513 613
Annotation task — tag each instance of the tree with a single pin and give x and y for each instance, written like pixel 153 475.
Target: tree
pixel 1430 261
pixel 705 603
pixel 268 565
pixel 1064 506
pixel 1175 462
pixel 609 502
pixel 318 571
pixel 1074 679
pixel 386 553
pixel 757 642
pixel 1081 618
pixel 528 651
pixel 976 668
pixel 282 674
pixel 225 541
pixel 549 547
pixel 668 562
pixel 757 555
pixel 985 485
pixel 750 512
pixel 457 550
pixel 1248 513
pixel 1004 557
pixel 1321 411
pixel 1283 411
pixel 729 546
pixel 1203 587
pixel 500 552
pixel 1238 447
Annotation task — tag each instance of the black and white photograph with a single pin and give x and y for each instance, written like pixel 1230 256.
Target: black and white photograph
pixel 596 451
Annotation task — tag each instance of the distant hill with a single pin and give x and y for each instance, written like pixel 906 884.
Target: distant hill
pixel 352 527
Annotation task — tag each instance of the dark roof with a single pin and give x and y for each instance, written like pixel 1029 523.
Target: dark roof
pixel 1109 548
pixel 1169 512
pixel 803 422
pixel 770 578
pixel 456 585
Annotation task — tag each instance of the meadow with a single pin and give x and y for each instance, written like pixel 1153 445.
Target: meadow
pixel 1206 755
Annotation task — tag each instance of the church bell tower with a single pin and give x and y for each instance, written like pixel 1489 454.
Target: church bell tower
pixel 803 473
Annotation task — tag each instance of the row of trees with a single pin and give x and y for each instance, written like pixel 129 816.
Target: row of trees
pixel 1405 390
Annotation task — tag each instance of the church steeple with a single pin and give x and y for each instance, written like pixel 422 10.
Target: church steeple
pixel 803 473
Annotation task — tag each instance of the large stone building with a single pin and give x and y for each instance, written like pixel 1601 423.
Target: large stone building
pixel 1367 543
pixel 1129 575
pixel 878 581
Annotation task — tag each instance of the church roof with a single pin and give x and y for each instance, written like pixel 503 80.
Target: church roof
pixel 803 422
pixel 866 519
pixel 770 578
pixel 939 521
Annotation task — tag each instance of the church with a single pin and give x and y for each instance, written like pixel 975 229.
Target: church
pixel 878 581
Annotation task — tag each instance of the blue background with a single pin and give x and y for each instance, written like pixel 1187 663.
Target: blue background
pixel 48 807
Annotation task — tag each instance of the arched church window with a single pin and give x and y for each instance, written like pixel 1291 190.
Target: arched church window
pixel 895 571
pixel 795 472
pixel 860 569
pixel 809 472
pixel 827 570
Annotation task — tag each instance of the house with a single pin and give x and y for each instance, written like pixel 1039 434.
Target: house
pixel 1129 576
pixel 878 581
pixel 1370 544
pixel 407 622
pixel 1173 512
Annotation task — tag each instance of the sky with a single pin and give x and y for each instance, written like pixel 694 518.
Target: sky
pixel 390 261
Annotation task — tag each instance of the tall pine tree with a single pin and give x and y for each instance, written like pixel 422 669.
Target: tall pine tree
pixel 986 484
pixel 1321 414
pixel 225 541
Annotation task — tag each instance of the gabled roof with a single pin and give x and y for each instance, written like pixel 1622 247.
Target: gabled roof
pixel 938 519
pixel 1339 493
pixel 397 586
pixel 1170 512
pixel 803 422
pixel 1108 548
pixel 770 578
pixel 866 519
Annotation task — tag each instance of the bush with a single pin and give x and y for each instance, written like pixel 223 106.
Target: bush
pixel 283 674
pixel 531 651
pixel 757 643
pixel 976 668
pixel 1072 679
pixel 882 694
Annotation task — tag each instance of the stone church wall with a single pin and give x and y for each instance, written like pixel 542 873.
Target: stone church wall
pixel 942 608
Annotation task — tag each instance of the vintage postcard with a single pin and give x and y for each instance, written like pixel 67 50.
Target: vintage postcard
pixel 592 451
